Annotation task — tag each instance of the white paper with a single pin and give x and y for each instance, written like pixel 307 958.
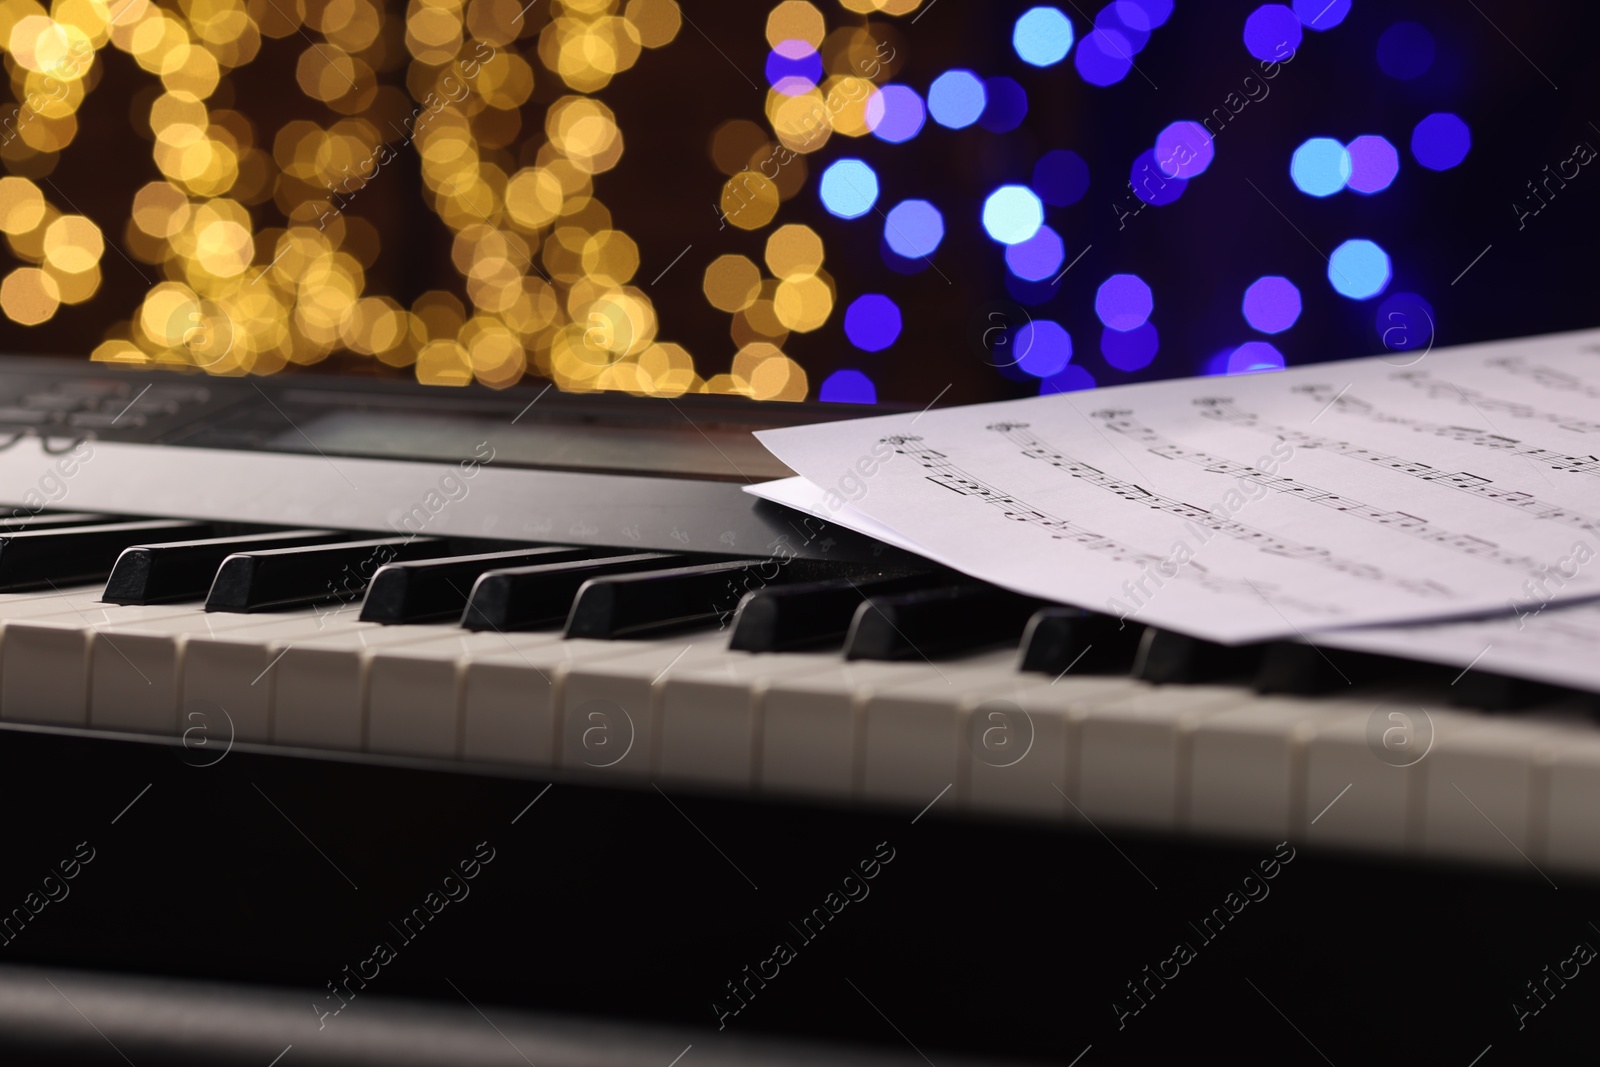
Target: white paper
pixel 1253 507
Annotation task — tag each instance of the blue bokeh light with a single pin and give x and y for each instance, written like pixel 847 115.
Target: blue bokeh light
pixel 1441 141
pixel 1012 214
pixel 956 99
pixel 1127 19
pixel 1156 12
pixel 1123 302
pixel 1044 347
pixel 1184 150
pixel 1061 177
pixel 794 67
pixel 1071 379
pixel 1406 322
pixel 1270 29
pixel 1374 162
pixel 895 113
pixel 1359 269
pixel 1007 105
pixel 872 322
pixel 1254 356
pixel 1405 51
pixel 913 229
pixel 848 188
pixel 848 387
pixel 1104 57
pixel 1130 350
pixel 1037 258
pixel 1271 304
pixel 1320 167
pixel 1321 15
pixel 1150 184
pixel 1042 36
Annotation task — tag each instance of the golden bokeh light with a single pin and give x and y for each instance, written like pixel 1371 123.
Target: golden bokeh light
pixel 793 250
pixel 29 296
pixel 732 283
pixel 795 20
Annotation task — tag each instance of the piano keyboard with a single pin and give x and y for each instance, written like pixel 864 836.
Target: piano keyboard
pixel 911 689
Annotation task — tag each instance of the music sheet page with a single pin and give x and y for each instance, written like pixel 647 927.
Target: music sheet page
pixel 1372 491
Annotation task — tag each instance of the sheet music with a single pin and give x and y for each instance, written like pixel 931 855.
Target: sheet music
pixel 1244 508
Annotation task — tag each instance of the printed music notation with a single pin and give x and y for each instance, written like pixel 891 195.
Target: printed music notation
pixel 1333 510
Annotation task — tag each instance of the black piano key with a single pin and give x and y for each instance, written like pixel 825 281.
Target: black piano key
pixel 1060 639
pixel 524 598
pixel 1167 658
pixel 288 577
pixel 35 559
pixel 45 521
pixel 677 598
pixel 431 589
pixel 808 614
pixel 936 622
pixel 183 570
pixel 1499 692
pixel 1304 670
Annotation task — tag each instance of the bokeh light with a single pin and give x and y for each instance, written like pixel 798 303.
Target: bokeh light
pixel 1150 184
pixel 1012 214
pixel 872 322
pixel 793 68
pixel 1006 106
pixel 1042 36
pixel 1135 27
pixel 956 99
pixel 1320 167
pixel 1043 348
pixel 913 229
pixel 1037 258
pixel 1104 57
pixel 1156 12
pixel 1071 379
pixel 849 188
pixel 1441 141
pixel 1359 269
pixel 1254 356
pixel 895 113
pixel 847 387
pixel 1321 15
pixel 1123 302
pixel 1061 177
pixel 1272 32
pixel 1272 304
pixel 1130 350
pixel 1374 163
pixel 1406 322
pixel 1405 51
pixel 1184 150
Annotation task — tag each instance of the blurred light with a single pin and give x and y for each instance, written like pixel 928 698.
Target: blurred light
pixel 793 68
pixel 1374 162
pixel 1184 150
pixel 1136 27
pixel 1043 348
pixel 1007 105
pixel 849 188
pixel 1071 379
pixel 1320 167
pixel 1037 258
pixel 1123 302
pixel 1012 214
pixel 956 99
pixel 1029 294
pixel 1405 51
pixel 901 264
pixel 1061 177
pixel 895 113
pixel 913 229
pixel 1150 184
pixel 1104 57
pixel 1272 304
pixel 848 387
pixel 1130 350
pixel 1269 29
pixel 1440 141
pixel 872 322
pixel 1156 12
pixel 1406 321
pixel 1254 356
pixel 1321 14
pixel 1042 36
pixel 1359 269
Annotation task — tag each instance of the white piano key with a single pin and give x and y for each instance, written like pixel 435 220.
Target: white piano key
pixel 1570 799
pixel 1034 782
pixel 708 730
pixel 1132 752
